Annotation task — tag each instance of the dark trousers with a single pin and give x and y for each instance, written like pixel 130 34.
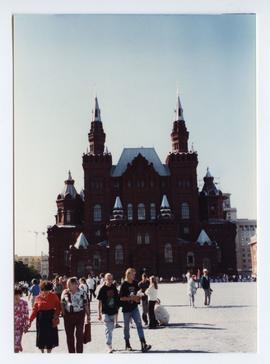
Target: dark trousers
pixel 152 317
pixel 92 292
pixel 74 321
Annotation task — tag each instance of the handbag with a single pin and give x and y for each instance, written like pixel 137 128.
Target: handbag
pixel 87 333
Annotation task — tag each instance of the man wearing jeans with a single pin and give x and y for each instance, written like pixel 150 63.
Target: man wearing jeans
pixel 130 300
pixel 108 305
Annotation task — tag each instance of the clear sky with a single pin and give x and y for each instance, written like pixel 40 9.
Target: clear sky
pixel 134 63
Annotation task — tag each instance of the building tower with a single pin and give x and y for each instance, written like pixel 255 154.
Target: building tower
pixel 182 164
pixel 97 166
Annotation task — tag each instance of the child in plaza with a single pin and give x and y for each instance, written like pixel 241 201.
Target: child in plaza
pixel 108 306
pixel 152 294
pixel 161 314
pixel 191 289
pixel 20 319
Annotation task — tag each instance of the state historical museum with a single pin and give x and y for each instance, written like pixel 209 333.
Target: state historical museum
pixel 141 213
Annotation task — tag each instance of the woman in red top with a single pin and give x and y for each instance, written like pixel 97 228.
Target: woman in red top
pixel 46 310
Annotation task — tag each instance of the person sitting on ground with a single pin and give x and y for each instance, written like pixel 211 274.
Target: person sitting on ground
pixel 161 314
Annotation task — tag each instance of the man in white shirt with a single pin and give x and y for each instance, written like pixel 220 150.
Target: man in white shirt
pixel 91 285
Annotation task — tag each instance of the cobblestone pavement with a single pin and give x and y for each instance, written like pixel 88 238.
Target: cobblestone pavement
pixel 228 325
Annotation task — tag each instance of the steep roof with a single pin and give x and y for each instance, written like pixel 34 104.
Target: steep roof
pixel 204 238
pixel 129 154
pixel 81 242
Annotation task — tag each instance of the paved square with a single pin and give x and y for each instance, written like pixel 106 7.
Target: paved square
pixel 228 325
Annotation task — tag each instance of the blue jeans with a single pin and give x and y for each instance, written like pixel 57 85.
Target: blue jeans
pixel 135 315
pixel 109 326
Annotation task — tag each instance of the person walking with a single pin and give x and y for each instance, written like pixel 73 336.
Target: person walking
pixel 191 289
pixel 130 301
pixel 109 303
pixel 205 284
pixel 21 320
pixel 152 294
pixel 58 287
pixel 143 285
pixel 91 282
pixel 75 306
pixel 34 291
pixel 46 311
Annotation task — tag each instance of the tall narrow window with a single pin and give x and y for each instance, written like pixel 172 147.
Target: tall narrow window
pixel 141 211
pixel 185 210
pixel 139 239
pixel 68 217
pixel 97 213
pixel 146 238
pixel 152 211
pixel 190 259
pixel 96 261
pixel 130 211
pixel 168 253
pixel 119 254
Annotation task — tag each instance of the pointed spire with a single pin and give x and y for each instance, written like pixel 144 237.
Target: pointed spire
pixel 179 109
pixel 118 212
pixel 204 238
pixel 69 176
pixel 208 174
pixel 165 210
pixel 81 242
pixel 96 113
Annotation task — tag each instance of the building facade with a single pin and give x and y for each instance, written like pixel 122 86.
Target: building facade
pixel 141 213
pixel 253 252
pixel 30 261
pixel 246 229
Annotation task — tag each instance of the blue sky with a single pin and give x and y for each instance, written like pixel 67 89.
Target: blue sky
pixel 134 63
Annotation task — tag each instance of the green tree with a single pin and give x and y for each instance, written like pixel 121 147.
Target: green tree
pixel 24 273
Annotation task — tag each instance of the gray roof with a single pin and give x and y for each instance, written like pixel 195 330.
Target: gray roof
pixel 129 154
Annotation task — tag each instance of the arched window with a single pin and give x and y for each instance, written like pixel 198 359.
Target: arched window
pixel 139 239
pixel 206 263
pixel 130 211
pixel 97 213
pixel 168 253
pixel 119 254
pixel 96 261
pixel 190 259
pixel 147 239
pixel 68 217
pixel 141 211
pixel 185 210
pixel 152 211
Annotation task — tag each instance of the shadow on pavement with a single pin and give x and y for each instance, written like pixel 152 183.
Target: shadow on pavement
pixel 193 326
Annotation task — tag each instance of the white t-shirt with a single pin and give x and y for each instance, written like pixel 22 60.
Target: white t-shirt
pixel 91 283
pixel 152 293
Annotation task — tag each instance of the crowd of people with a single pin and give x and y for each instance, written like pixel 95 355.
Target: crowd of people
pixel 70 298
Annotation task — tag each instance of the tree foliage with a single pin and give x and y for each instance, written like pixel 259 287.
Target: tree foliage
pixel 25 273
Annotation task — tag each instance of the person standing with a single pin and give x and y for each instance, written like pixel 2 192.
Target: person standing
pixel 152 293
pixel 75 306
pixel 91 285
pixel 58 287
pixel 108 306
pixel 191 289
pixel 205 284
pixel 143 285
pixel 130 301
pixel 46 310
pixel 34 291
pixel 21 320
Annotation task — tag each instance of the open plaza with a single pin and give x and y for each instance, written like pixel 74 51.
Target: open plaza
pixel 229 324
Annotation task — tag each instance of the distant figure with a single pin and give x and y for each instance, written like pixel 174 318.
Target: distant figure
pixel 191 289
pixel 152 293
pixel 58 287
pixel 205 284
pixel 20 319
pixel 161 314
pixel 198 278
pixel 188 275
pixel 91 282
pixel 143 285
pixel 34 291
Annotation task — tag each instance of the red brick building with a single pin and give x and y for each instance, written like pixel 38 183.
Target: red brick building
pixel 141 213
